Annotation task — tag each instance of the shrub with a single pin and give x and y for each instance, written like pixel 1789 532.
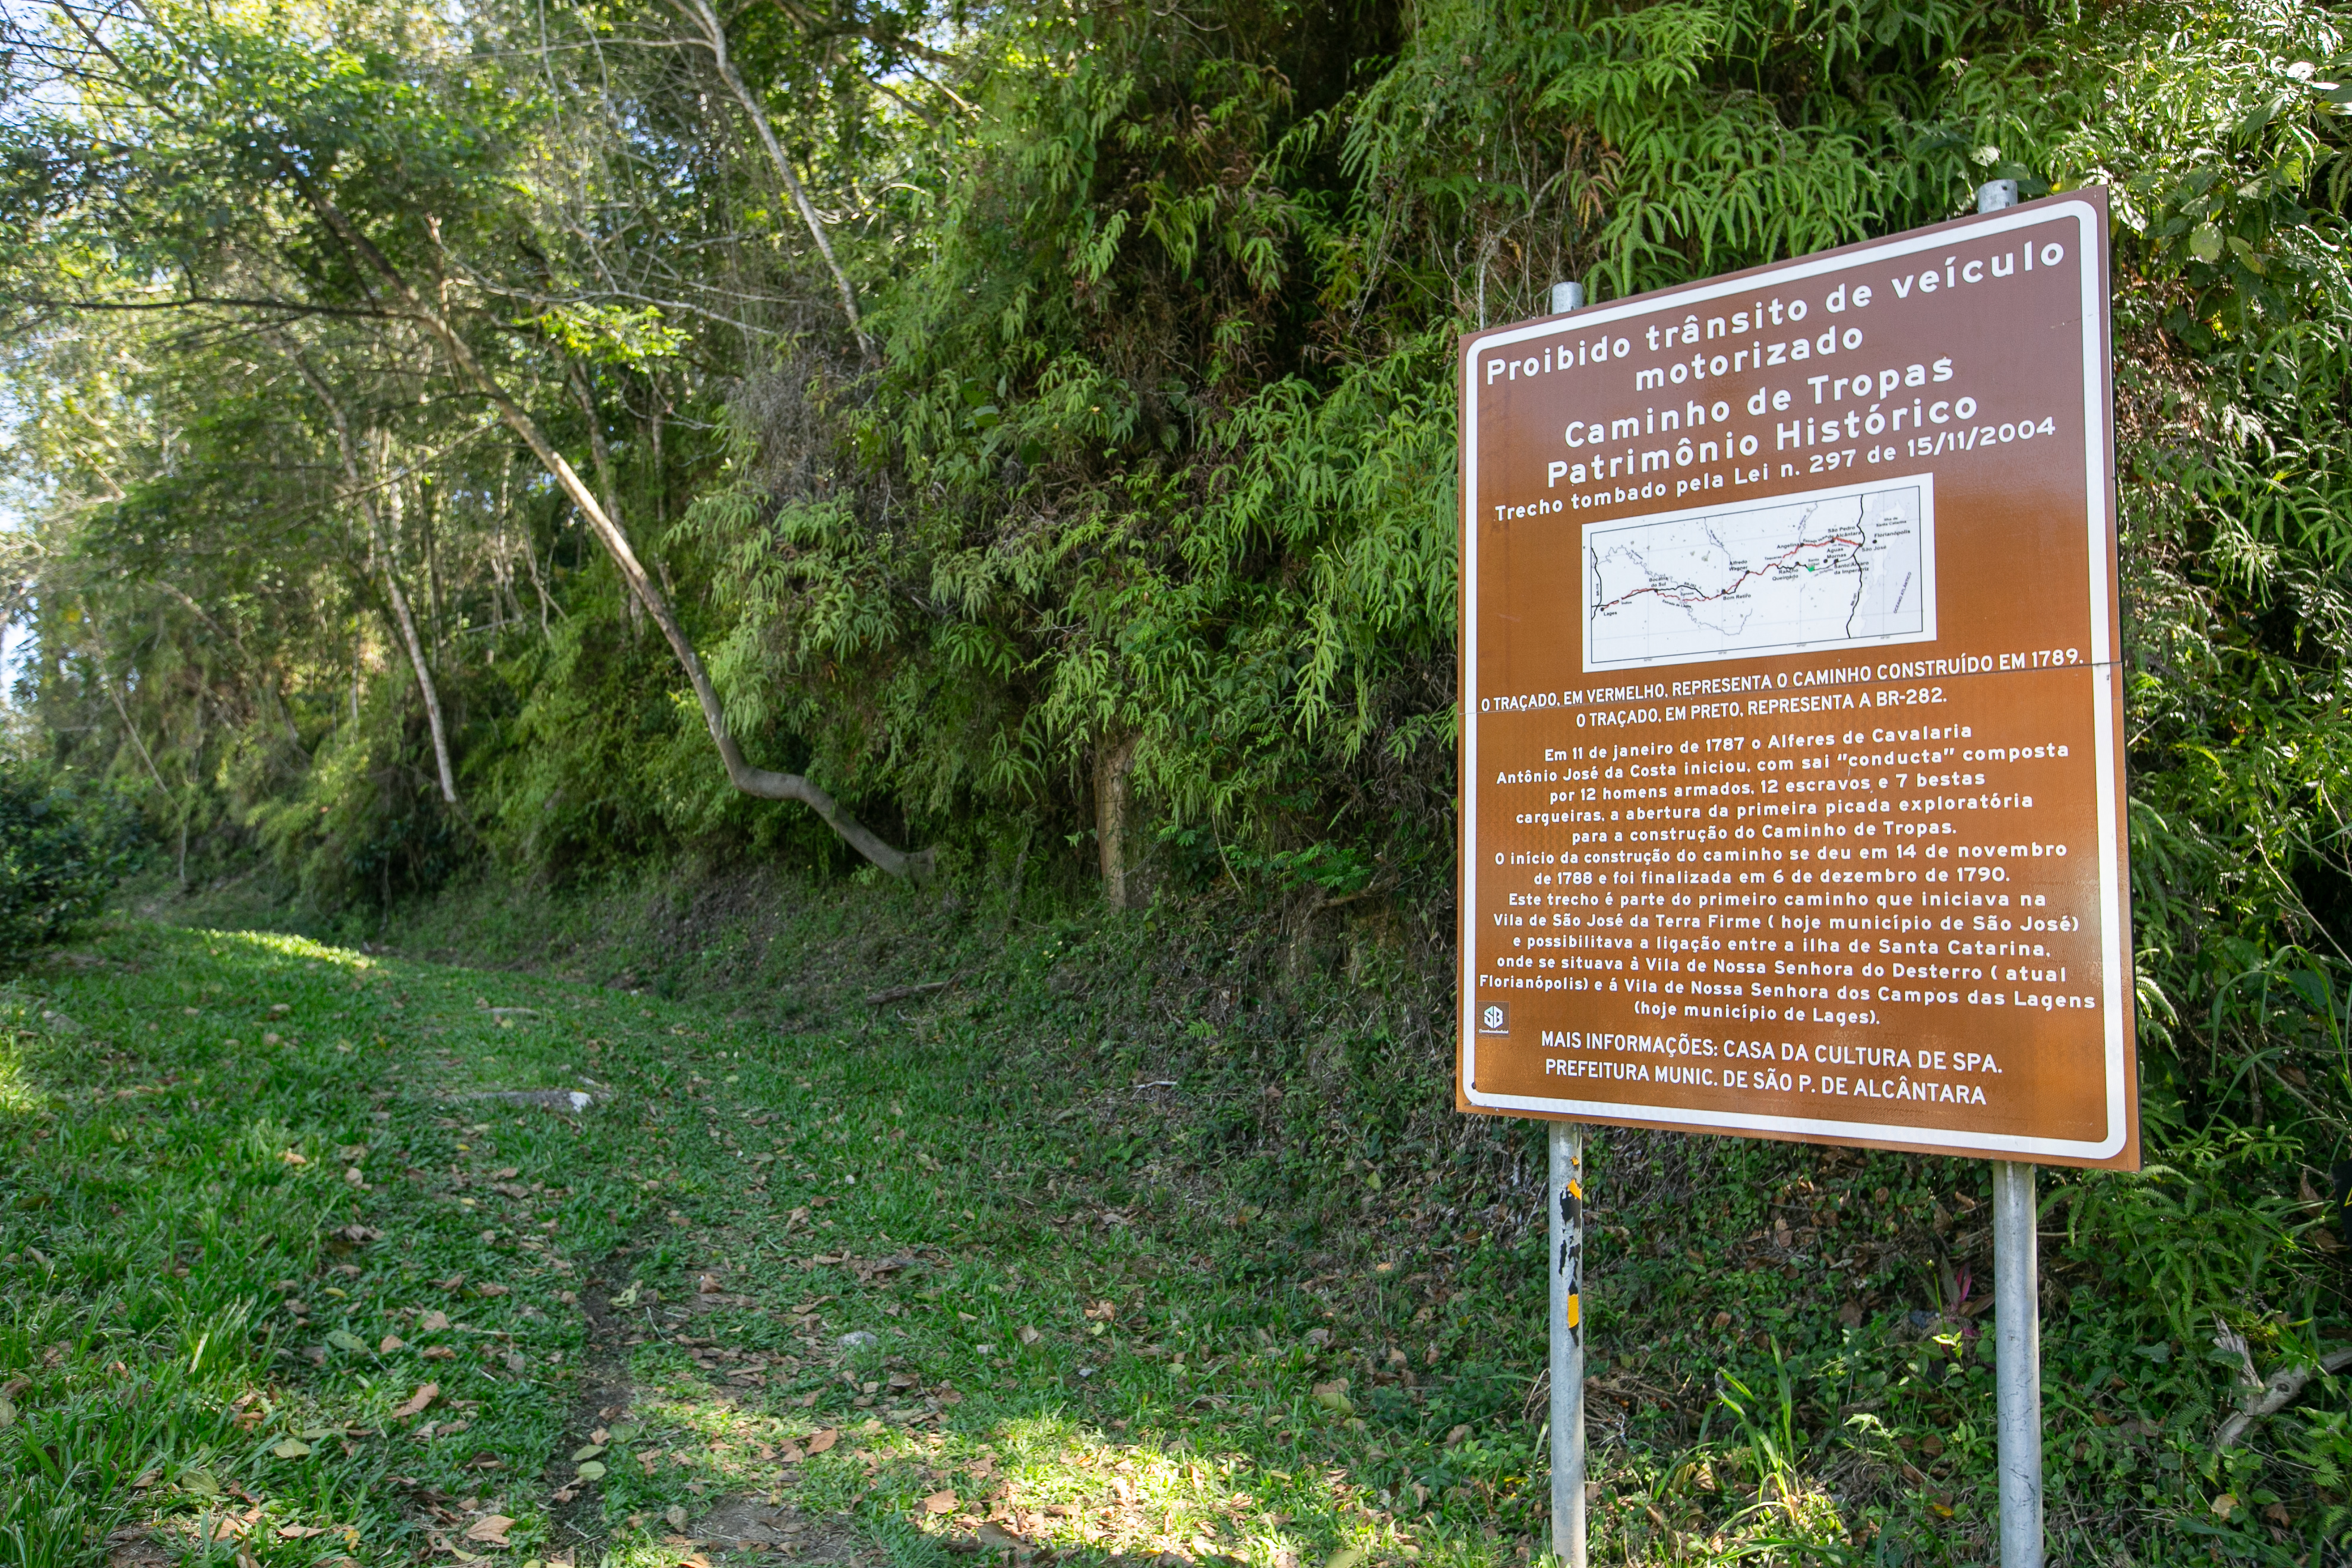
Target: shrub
pixel 61 850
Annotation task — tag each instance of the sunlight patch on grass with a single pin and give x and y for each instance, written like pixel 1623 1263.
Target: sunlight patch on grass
pixel 19 1095
pixel 282 946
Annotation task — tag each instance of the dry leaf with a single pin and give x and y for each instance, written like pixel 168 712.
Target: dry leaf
pixel 425 1394
pixel 489 1290
pixel 491 1527
pixel 940 1502
pixel 433 1323
pixel 675 1515
pixel 438 1353
pixel 1027 1336
pixel 298 1531
pixel 391 1343
pixel 820 1441
pixel 791 1454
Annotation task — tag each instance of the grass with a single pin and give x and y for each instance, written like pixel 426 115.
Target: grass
pixel 1076 1259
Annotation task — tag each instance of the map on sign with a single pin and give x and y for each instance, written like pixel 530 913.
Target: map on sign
pixel 1849 568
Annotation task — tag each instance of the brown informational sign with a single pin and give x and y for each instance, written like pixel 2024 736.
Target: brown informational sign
pixel 1793 777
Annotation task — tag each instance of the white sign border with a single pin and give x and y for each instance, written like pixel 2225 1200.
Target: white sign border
pixel 2097 446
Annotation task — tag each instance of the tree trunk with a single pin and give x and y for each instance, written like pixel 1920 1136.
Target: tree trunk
pixel 364 498
pixel 760 781
pixel 380 542
pixel 1115 823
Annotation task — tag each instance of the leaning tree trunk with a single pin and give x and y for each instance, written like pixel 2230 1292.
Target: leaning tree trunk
pixel 760 781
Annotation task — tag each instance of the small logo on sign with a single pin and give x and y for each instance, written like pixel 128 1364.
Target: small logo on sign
pixel 1493 1018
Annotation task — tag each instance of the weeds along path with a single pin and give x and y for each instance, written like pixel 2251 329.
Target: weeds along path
pixel 312 1256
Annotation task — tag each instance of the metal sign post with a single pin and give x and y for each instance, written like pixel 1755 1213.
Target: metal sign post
pixel 2017 1369
pixel 1566 1255
pixel 1565 1207
pixel 2017 1290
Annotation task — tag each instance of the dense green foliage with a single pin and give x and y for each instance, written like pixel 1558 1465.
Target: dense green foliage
pixel 1144 448
pixel 61 852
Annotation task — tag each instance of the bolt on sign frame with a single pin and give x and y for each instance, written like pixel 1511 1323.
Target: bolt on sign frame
pixel 1792 800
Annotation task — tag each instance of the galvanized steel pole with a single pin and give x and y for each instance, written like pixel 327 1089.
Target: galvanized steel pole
pixel 1567 1263
pixel 2016 1288
pixel 2016 1368
pixel 1565 1206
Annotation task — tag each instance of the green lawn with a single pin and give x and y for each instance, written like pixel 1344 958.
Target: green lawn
pixel 311 1255
pixel 264 1193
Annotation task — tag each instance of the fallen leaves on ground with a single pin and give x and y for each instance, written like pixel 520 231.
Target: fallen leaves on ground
pixel 414 1404
pixel 491 1528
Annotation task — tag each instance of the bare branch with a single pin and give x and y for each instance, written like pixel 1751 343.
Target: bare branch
pixel 714 39
pixel 363 495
